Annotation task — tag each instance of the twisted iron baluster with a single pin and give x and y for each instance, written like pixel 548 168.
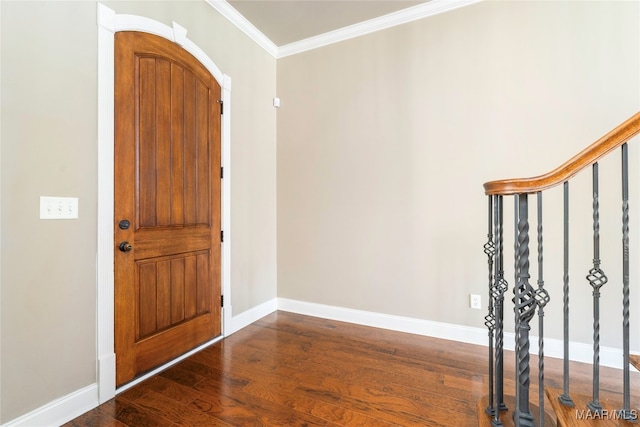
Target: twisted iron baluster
pixel 499 289
pixel 490 318
pixel 502 287
pixel 516 282
pixel 524 307
pixel 597 278
pixel 542 298
pixel 565 399
pixel 626 411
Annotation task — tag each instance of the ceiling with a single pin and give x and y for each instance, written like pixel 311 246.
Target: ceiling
pixel 291 21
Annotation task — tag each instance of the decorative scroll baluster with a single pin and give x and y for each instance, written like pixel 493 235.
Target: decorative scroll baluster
pixel 516 221
pixel 597 278
pixel 524 307
pixel 499 289
pixel 565 398
pixel 490 318
pixel 542 298
pixel 627 414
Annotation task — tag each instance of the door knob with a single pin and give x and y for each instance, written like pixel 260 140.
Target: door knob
pixel 125 246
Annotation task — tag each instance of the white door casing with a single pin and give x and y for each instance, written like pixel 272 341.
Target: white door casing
pixel 108 24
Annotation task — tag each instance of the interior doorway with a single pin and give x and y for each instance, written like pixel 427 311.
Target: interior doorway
pixel 109 23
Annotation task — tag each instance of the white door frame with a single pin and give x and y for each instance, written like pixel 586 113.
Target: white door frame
pixel 108 24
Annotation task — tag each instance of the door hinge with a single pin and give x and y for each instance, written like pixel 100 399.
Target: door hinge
pixel 221 235
pixel 221 172
pixel 221 300
pixel 221 102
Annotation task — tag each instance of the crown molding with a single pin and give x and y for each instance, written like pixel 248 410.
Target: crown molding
pixel 226 10
pixel 400 17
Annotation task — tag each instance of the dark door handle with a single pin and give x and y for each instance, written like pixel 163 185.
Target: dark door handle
pixel 125 246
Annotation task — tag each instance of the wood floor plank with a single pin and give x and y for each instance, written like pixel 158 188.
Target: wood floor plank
pixel 104 415
pixel 166 387
pixel 131 414
pixel 240 408
pixel 297 399
pixel 182 375
pixel 176 412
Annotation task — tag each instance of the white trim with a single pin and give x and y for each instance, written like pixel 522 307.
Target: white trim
pixel 125 22
pixel 104 264
pixel 0 230
pixel 387 321
pixel 108 24
pixel 229 12
pixel 60 411
pixel 400 17
pixel 179 34
pixel 578 352
pixel 107 375
pixel 227 310
pixel 256 313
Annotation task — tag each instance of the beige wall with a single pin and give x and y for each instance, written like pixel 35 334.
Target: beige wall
pixel 48 142
pixel 384 142
pixel 48 149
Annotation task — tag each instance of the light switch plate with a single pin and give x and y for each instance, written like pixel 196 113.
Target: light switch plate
pixel 58 207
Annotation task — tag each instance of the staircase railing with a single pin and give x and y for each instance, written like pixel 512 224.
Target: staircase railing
pixel 527 299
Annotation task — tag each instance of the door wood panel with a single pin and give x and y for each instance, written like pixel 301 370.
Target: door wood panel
pixel 167 184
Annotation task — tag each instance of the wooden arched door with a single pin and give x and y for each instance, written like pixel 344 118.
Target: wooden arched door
pixel 167 203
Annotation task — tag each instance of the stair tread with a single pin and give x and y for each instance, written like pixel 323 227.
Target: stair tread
pixel 506 417
pixel 635 360
pixel 579 415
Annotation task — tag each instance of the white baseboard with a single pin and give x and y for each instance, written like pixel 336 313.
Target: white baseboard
pixel 579 352
pixel 248 317
pixel 387 321
pixel 60 410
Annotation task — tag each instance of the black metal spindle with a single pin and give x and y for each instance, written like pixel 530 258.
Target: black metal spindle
pixel 626 411
pixel 565 398
pixel 499 290
pixel 542 298
pixel 489 319
pixel 502 287
pixel 516 220
pixel 524 308
pixel 597 278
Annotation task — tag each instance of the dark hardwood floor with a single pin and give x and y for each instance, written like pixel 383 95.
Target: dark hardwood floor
pixel 293 370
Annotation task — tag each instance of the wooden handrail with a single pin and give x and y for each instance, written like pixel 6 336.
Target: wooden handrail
pixel 590 155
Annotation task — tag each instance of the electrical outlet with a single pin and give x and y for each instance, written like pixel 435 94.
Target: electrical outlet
pixel 475 301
